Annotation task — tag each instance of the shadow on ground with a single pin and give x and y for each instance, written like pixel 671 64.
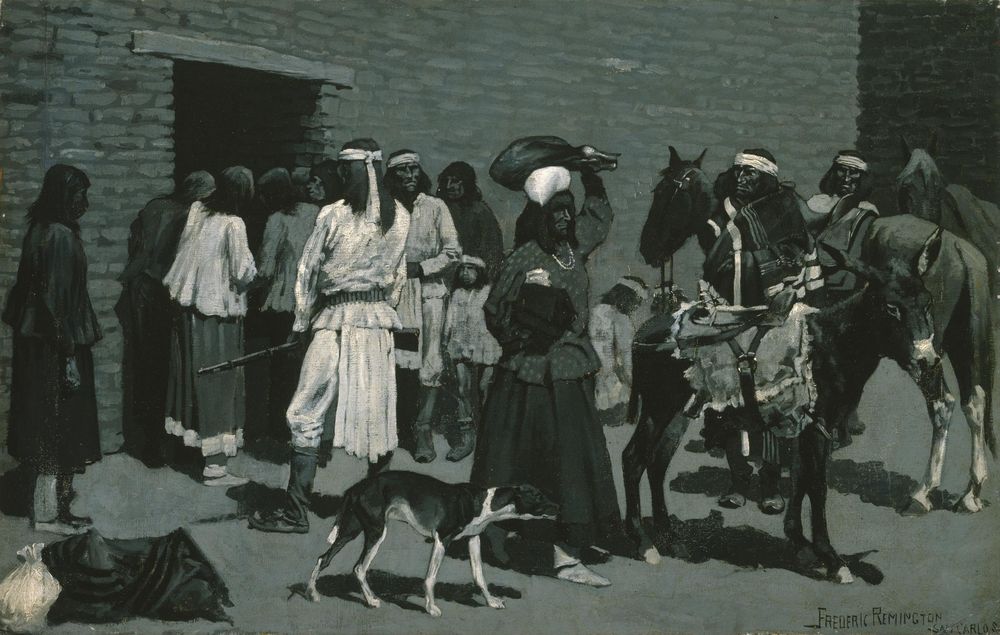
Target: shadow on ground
pixel 254 497
pixel 870 481
pixel 702 539
pixel 399 589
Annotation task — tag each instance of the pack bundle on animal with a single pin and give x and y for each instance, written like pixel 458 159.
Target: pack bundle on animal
pixel 906 263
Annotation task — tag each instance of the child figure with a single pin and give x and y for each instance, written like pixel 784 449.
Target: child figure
pixel 611 333
pixel 471 347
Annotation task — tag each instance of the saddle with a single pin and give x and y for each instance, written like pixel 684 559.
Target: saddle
pixel 707 322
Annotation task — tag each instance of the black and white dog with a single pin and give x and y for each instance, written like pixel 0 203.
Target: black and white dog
pixel 442 511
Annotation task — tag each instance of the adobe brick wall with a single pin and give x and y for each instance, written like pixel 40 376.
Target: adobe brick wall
pixel 931 66
pixel 452 80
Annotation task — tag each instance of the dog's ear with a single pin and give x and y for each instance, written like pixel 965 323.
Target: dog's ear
pixel 503 496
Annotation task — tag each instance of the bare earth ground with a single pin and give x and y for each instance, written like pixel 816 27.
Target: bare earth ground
pixel 943 564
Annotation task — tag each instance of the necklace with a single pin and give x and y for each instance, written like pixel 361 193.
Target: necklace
pixel 564 265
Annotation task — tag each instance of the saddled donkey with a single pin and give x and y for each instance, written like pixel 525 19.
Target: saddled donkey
pixel 974 352
pixel 681 203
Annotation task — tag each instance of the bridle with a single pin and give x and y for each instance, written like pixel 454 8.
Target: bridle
pixel 683 183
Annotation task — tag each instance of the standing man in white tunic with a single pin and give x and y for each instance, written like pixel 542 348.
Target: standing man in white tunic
pixel 348 282
pixel 431 248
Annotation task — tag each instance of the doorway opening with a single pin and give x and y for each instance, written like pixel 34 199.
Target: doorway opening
pixel 224 116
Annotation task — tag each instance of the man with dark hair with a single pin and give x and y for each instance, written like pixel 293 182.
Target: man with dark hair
pixel 841 214
pixel 289 225
pixel 349 278
pixel 754 242
pixel 611 333
pixel 144 311
pixel 479 232
pixel 431 247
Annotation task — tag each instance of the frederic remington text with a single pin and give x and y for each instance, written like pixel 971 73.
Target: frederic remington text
pixel 875 616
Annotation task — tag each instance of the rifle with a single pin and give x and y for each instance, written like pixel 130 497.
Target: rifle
pixel 246 359
pixel 406 339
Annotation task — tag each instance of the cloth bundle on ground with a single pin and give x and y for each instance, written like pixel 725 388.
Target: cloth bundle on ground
pixel 783 375
pixel 27 593
pixel 512 167
pixel 105 580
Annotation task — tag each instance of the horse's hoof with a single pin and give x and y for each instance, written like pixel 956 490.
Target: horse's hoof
pixel 652 556
pixel 969 504
pixel 914 508
pixel 843 576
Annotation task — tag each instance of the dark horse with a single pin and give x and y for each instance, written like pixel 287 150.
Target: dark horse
pixel 885 319
pixel 922 192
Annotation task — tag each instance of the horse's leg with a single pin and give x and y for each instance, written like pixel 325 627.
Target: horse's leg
pixel 636 457
pixel 814 451
pixel 974 407
pixel 670 440
pixel 940 406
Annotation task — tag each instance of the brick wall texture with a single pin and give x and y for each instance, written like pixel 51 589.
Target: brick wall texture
pixel 453 80
pixel 928 66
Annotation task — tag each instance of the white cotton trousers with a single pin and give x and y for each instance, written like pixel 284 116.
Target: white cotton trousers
pixel 355 368
pixel 421 306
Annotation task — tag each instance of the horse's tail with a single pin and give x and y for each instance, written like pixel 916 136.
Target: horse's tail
pixel 981 323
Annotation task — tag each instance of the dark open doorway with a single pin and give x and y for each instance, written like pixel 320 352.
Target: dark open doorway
pixel 226 116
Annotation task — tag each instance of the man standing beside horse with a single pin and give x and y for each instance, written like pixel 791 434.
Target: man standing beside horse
pixel 754 241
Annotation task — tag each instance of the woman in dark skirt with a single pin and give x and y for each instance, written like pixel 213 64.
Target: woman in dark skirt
pixel 539 424
pixel 53 415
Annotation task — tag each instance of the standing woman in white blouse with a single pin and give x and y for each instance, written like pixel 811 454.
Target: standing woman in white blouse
pixel 209 279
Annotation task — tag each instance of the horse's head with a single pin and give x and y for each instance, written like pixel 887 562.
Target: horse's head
pixel 920 186
pixel 898 305
pixel 682 201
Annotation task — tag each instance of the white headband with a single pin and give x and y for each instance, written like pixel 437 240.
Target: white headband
pixel 400 159
pixel 757 162
pixel 635 286
pixel 373 211
pixel 542 184
pixel 851 162
pixel 472 260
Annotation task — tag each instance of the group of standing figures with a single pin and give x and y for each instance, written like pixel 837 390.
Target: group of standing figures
pixel 361 255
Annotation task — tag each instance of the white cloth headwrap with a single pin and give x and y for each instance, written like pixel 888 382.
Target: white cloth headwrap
pixel 759 163
pixel 542 184
pixel 472 260
pixel 851 162
pixel 400 159
pixel 635 286
pixel 373 212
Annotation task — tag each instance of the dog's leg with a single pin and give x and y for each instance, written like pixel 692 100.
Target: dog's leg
pixel 344 531
pixel 475 558
pixel 361 569
pixel 437 556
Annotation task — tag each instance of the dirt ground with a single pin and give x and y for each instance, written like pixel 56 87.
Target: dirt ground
pixel 936 573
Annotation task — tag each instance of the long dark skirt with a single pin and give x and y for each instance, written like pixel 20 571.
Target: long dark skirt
pixel 206 410
pixel 51 430
pixel 550 437
pixel 145 312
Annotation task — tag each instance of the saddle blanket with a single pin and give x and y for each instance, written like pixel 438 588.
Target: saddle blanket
pixel 784 381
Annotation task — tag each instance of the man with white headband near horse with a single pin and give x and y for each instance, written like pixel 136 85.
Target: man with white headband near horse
pixel 755 241
pixel 840 216
pixel 349 280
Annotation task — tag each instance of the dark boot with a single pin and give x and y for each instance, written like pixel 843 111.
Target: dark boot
pixel 739 471
pixel 464 442
pixel 423 451
pixel 378 466
pixel 771 501
pixel 64 498
pixel 294 517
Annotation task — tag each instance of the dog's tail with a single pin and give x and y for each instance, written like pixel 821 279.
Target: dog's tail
pixel 347 523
